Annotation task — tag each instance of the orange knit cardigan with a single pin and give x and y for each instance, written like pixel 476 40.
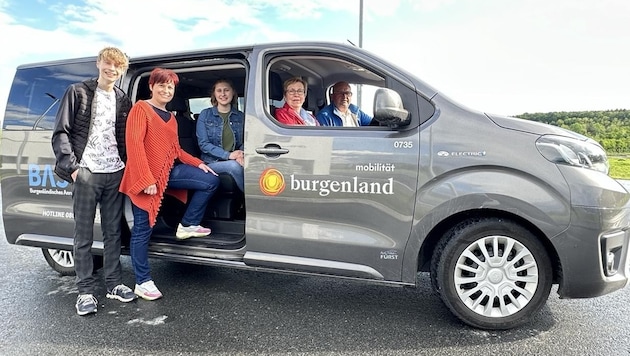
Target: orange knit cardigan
pixel 152 147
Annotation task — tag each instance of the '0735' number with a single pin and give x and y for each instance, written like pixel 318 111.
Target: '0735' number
pixel 403 144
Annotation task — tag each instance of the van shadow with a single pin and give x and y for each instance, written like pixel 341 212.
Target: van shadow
pixel 246 311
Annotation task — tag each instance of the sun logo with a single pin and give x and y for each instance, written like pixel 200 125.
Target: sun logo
pixel 271 182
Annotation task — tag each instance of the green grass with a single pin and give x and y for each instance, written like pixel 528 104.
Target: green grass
pixel 619 166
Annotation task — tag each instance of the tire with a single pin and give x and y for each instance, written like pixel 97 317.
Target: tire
pixel 62 261
pixel 485 287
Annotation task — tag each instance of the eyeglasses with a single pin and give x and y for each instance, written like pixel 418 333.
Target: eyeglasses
pixel 346 93
pixel 295 92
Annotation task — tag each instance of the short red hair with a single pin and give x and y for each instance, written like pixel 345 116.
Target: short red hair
pixel 161 75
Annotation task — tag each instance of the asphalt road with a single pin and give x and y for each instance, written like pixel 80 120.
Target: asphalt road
pixel 207 310
pixel 218 311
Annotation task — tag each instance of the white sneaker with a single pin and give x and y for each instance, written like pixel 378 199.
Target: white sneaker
pixel 184 232
pixel 148 291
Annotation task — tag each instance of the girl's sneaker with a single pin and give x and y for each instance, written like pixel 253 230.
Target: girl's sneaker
pixel 184 232
pixel 148 291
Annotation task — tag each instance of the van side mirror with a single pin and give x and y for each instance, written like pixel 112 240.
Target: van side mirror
pixel 389 110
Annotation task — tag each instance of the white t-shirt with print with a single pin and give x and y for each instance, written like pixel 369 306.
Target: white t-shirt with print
pixel 101 152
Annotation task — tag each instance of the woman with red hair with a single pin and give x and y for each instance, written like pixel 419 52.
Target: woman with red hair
pixel 155 163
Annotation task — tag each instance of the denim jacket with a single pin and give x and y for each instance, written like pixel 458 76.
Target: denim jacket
pixel 327 117
pixel 210 133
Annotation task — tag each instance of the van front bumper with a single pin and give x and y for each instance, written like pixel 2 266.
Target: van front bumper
pixel 594 252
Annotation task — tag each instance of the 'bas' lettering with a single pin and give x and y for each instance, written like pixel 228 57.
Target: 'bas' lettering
pixel 43 178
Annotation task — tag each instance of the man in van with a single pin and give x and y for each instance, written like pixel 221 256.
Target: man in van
pixel 89 145
pixel 341 112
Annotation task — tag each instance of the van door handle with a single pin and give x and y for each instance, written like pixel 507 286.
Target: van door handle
pixel 272 150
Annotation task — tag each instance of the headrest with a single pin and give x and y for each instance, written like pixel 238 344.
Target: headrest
pixel 178 104
pixel 276 91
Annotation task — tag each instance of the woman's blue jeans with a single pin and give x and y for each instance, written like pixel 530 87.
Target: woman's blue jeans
pixel 182 176
pixel 201 183
pixel 231 167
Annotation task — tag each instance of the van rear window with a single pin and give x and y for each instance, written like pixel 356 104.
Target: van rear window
pixel 36 92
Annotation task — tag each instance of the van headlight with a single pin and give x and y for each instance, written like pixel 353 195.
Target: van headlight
pixel 569 151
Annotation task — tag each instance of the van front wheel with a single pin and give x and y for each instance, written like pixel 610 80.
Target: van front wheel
pixel 62 261
pixel 492 273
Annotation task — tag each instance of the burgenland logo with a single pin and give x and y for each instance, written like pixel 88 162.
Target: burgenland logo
pixel 271 182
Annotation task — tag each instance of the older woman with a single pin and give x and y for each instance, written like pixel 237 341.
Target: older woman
pixel 153 149
pixel 292 112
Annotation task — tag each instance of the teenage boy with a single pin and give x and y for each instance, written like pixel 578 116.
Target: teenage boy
pixel 89 145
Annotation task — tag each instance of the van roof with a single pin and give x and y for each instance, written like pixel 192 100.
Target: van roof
pixel 203 51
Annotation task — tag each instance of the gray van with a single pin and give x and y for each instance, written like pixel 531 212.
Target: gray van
pixel 496 209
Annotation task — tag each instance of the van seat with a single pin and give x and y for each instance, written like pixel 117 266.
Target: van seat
pixel 186 125
pixel 227 202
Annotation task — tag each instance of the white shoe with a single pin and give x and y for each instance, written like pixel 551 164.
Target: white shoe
pixel 148 291
pixel 184 232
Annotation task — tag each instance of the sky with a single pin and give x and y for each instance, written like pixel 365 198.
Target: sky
pixel 498 56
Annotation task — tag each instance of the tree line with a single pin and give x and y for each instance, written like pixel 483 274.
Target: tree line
pixel 611 128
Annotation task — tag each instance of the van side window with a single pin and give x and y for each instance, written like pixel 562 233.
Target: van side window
pixel 321 72
pixel 36 92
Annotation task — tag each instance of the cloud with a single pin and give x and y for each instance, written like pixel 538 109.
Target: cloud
pixel 495 55
pixel 82 29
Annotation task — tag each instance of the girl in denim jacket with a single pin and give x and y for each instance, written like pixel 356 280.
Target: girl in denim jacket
pixel 220 133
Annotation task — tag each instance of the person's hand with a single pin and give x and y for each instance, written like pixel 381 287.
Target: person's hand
pixel 236 155
pixel 74 175
pixel 151 190
pixel 206 169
